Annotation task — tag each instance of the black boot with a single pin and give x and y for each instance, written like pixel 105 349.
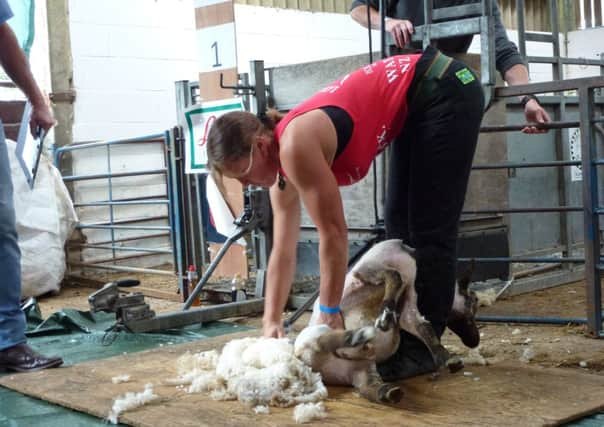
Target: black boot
pixel 412 358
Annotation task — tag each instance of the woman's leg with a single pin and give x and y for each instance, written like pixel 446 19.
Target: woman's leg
pixel 441 154
pixel 438 144
pixel 396 212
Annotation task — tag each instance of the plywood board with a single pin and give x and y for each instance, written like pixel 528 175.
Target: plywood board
pixel 497 395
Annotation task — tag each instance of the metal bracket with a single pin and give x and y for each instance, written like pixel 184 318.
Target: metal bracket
pixel 238 89
pixel 68 96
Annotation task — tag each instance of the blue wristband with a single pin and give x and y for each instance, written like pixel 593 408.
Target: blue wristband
pixel 329 310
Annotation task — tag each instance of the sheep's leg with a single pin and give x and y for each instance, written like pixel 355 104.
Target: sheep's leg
pixel 413 322
pixel 370 385
pixel 337 339
pixel 393 289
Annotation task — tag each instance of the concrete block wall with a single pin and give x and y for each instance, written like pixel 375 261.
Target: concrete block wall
pixel 584 44
pixel 126 57
pixel 283 36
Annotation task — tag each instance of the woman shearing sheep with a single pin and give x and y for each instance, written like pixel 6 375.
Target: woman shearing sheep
pixel 428 108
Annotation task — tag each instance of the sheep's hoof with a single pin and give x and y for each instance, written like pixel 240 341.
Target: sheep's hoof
pixel 386 320
pixel 359 336
pixel 389 393
pixel 455 364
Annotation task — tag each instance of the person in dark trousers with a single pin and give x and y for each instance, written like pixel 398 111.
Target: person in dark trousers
pixel 429 108
pixel 404 15
pixel 15 354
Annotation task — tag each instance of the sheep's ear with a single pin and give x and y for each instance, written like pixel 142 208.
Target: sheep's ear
pixel 466 277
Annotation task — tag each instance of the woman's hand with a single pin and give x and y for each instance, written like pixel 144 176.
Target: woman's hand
pixel 334 321
pixel 272 328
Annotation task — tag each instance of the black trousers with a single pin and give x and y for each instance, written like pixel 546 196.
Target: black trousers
pixel 429 169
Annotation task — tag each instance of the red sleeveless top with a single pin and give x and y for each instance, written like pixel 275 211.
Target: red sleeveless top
pixel 375 97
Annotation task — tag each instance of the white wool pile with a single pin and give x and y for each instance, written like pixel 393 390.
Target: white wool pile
pixel 474 358
pixel 262 409
pixel 130 401
pixel 306 412
pixel 486 297
pixel 120 379
pixel 256 371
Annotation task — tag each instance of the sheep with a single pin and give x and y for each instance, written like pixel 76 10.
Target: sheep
pixel 378 300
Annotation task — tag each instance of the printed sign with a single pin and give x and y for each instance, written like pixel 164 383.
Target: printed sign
pixel 574 146
pixel 198 121
pixel 217 48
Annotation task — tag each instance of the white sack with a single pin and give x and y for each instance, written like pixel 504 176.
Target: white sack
pixel 220 211
pixel 45 219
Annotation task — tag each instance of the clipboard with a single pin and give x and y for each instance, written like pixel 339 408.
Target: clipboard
pixel 29 148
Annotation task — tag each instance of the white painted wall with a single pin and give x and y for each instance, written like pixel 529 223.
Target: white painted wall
pixel 586 44
pixel 282 36
pixel 126 57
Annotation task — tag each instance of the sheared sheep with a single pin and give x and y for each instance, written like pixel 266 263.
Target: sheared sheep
pixel 379 299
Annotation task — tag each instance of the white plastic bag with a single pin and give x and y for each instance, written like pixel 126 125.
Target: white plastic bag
pixel 45 220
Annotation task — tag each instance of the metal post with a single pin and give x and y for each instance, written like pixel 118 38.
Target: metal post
pixel 203 253
pixel 487 48
pixel 428 5
pixel 258 82
pixel 521 28
pixel 382 28
pixel 262 237
pixel 197 251
pixel 591 220
pixel 111 212
pixel 174 202
pixel 560 135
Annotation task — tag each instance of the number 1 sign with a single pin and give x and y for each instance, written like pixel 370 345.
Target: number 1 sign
pixel 217 47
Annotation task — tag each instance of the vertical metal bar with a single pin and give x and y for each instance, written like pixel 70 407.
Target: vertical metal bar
pixel 203 252
pixel 554 17
pixel 559 136
pixel 487 45
pixel 191 237
pixel 196 249
pixel 587 13
pixel 170 197
pixel 262 239
pixel 597 13
pixel 258 82
pixel 591 219
pixel 181 177
pixel 426 36
pixel 111 212
pixel 601 90
pixel 173 184
pixel 521 27
pixel 383 28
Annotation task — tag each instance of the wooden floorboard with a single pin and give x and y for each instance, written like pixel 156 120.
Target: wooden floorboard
pixel 496 395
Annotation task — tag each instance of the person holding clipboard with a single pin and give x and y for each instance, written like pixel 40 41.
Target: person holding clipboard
pixel 15 354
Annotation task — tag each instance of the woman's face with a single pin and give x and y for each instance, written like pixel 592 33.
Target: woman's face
pixel 256 169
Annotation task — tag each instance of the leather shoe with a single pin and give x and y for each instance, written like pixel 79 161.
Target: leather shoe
pixel 22 358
